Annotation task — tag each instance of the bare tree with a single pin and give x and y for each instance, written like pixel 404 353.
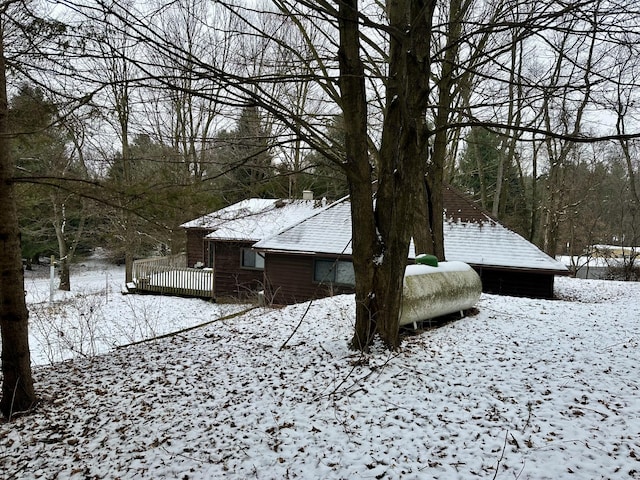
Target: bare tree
pixel 408 77
pixel 627 73
pixel 181 118
pixel 568 120
pixel 115 48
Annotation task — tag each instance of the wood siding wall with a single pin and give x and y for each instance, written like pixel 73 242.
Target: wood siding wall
pixel 197 247
pixel 516 283
pixel 289 279
pixel 231 280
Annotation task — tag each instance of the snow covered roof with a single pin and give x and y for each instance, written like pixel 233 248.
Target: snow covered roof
pixel 255 218
pixel 491 244
pixel 213 220
pixel 470 236
pixel 328 231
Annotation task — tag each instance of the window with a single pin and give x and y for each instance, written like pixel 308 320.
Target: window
pixel 252 259
pixel 339 272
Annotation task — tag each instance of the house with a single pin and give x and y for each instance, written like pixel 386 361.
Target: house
pixel 312 258
pixel 610 262
pixel 222 240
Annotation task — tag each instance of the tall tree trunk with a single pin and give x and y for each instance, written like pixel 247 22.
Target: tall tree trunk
pixel 63 268
pixel 423 238
pixel 17 383
pixel 127 214
pixel 381 236
pixel 514 120
pixel 496 206
pixel 559 152
pixel 446 85
pixel 59 222
pixel 358 169
pixel 404 156
pixel 628 158
pixel 66 251
pixel 534 202
pixel 552 208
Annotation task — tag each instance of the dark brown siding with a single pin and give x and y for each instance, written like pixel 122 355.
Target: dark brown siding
pixel 516 283
pixel 196 246
pixel 231 279
pixel 290 280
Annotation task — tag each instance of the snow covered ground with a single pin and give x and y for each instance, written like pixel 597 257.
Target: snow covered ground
pixel 95 317
pixel 528 389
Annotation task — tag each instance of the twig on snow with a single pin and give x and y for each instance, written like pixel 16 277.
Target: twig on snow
pixel 504 447
pixel 283 346
pixel 188 329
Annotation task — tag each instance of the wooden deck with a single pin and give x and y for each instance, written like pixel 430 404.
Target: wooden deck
pixel 170 276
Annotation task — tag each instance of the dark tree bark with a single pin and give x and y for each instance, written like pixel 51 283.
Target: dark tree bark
pixel 17 383
pixel 446 87
pixel 382 234
pixel 358 169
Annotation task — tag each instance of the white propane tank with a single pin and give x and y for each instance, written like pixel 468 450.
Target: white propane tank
pixel 430 292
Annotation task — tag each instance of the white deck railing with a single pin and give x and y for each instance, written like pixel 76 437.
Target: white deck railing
pixel 170 276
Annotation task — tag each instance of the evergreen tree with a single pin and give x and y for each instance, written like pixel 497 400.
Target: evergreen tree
pixel 160 197
pixel 245 159
pixel 51 218
pixel 323 176
pixel 478 176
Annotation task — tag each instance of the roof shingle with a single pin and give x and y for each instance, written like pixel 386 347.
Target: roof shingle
pixel 470 236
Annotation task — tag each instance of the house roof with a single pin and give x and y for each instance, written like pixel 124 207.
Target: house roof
pixel 213 220
pixel 470 236
pixel 459 207
pixel 493 245
pixel 327 231
pixel 254 219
